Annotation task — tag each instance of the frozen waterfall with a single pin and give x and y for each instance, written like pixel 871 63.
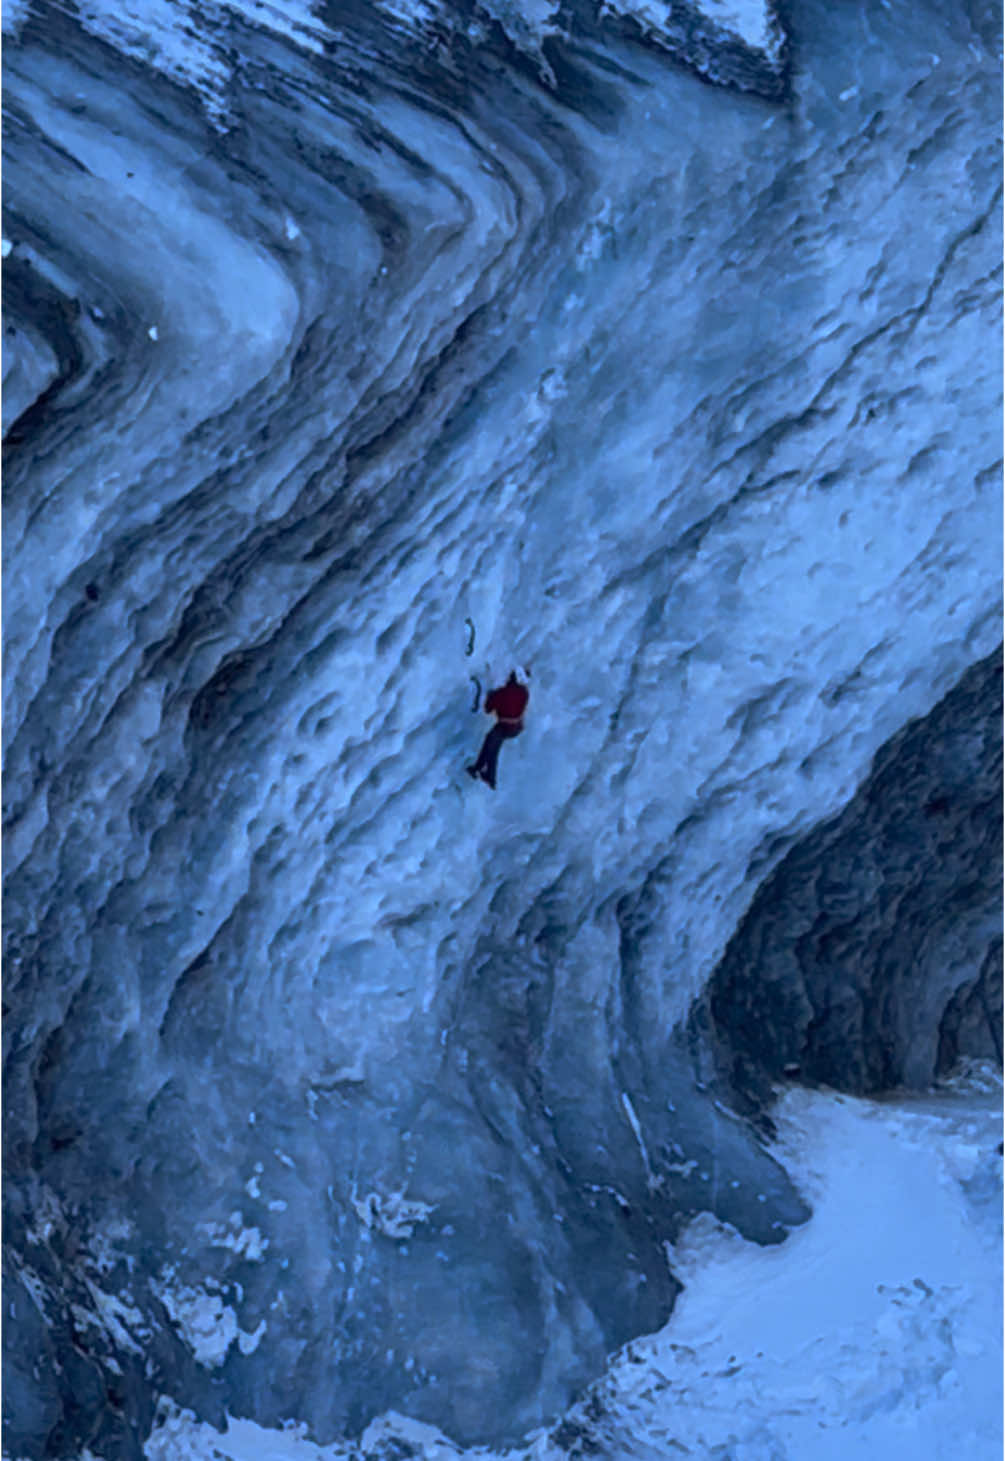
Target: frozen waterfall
pixel 356 355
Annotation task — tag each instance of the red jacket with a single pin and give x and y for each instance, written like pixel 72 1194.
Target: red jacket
pixel 509 702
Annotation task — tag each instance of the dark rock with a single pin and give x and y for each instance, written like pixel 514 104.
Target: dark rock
pixel 871 958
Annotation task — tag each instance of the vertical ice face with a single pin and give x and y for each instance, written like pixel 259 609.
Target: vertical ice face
pixel 341 343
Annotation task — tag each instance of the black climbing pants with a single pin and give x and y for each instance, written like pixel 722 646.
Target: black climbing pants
pixel 488 756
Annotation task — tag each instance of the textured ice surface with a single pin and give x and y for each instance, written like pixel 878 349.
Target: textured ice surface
pixel 356 355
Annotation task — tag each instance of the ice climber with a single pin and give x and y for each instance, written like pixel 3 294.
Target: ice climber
pixel 508 705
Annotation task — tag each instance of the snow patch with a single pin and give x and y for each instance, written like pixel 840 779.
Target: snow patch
pixel 120 1320
pixel 751 22
pixel 248 1343
pixel 207 1325
pixel 247 1243
pixel 393 1215
pixel 35 1288
pixel 164 36
pixel 178 1436
pixel 48 1218
pixel 104 1246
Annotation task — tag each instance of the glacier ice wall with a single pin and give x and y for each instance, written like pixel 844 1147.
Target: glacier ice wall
pixel 337 338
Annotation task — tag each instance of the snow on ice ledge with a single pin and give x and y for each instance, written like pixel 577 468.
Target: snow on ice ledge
pixel 188 44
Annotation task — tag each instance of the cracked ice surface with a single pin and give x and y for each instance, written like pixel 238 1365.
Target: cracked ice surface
pixel 329 336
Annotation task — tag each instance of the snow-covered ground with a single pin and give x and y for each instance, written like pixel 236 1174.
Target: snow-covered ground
pixel 871 1334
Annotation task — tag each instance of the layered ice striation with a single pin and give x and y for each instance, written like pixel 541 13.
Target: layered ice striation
pixel 355 355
